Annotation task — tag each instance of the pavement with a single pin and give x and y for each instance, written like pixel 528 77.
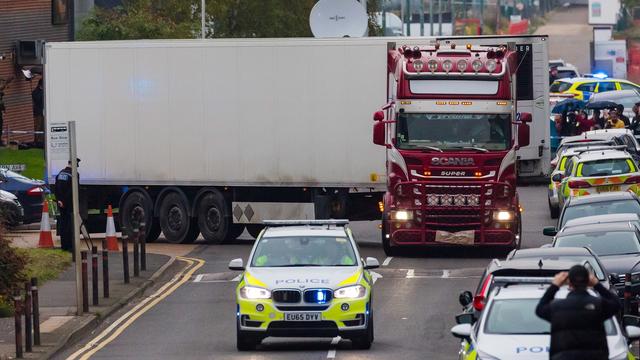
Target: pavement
pixel 415 302
pixel 569 36
pixel 58 321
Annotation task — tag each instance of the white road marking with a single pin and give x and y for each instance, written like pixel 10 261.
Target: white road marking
pixel 410 274
pixel 387 261
pixel 332 353
pixel 198 278
pixel 375 276
pixel 445 274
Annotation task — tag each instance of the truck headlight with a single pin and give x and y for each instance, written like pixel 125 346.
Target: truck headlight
pixel 350 292
pixel 252 292
pixel 503 215
pixel 401 215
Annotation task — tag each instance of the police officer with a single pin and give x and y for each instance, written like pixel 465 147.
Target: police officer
pixel 63 194
pixel 577 322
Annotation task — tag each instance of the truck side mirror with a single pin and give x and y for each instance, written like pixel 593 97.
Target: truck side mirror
pixel 378 115
pixel 557 177
pixel 523 134
pixel 379 133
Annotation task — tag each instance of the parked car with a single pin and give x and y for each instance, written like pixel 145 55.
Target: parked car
pixel 626 98
pixel 11 211
pixel 29 192
pixel 568 71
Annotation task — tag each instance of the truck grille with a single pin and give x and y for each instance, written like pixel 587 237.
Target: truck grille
pixel 286 296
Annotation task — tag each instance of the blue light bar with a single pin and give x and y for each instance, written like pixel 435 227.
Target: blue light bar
pixel 600 75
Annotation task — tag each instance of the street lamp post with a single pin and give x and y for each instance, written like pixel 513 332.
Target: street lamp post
pixel 202 17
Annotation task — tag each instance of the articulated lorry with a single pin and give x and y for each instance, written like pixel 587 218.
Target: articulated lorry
pixel 212 137
pixel 454 125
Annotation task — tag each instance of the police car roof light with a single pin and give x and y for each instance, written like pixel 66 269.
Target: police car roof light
pixel 336 222
pixel 596 148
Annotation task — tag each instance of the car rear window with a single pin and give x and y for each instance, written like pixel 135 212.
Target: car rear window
pixel 567 74
pixel 604 167
pixel 627 206
pixel 518 317
pixel 559 86
pixel 603 243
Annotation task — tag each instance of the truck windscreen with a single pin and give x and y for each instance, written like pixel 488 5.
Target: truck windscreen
pixel 453 131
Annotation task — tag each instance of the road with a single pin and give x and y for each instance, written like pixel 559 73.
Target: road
pixel 414 304
pixel 569 36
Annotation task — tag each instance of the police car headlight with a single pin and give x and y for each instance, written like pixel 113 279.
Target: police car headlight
pixel 503 215
pixel 401 215
pixel 252 292
pixel 350 292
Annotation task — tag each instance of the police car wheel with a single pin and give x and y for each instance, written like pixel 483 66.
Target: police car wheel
pixel 246 341
pixel 554 211
pixel 365 340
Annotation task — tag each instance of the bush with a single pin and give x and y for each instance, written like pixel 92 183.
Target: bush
pixel 12 266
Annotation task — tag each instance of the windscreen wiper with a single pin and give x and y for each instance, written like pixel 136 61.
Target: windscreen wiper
pixel 433 148
pixel 472 148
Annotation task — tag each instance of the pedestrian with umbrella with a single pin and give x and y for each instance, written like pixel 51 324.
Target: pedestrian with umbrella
pixel 567 105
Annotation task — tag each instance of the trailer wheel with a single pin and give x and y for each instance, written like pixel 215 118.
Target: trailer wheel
pixel 136 208
pixel 194 231
pixel 154 231
pixel 174 219
pixel 254 230
pixel 213 218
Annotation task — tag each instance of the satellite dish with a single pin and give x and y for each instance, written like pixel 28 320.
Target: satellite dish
pixel 338 18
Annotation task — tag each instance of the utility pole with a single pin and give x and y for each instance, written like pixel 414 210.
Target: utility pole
pixel 384 18
pixel 439 17
pixel 407 14
pixel 202 17
pixel 481 16
pixel 431 17
pixel 75 220
pixel 497 16
pixel 453 17
pixel 421 17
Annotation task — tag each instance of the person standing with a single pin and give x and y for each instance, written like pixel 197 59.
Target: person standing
pixel 64 196
pixel 614 121
pixel 577 322
pixel 584 123
pixel 37 95
pixel 622 116
pixel 635 121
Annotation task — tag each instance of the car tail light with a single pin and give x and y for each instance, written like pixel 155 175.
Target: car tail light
pixel 579 184
pixel 479 299
pixel 35 191
pixel 633 180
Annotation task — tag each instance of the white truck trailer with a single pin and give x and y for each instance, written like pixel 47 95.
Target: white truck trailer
pixel 215 136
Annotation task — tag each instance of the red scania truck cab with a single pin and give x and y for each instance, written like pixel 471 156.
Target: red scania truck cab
pixel 452 131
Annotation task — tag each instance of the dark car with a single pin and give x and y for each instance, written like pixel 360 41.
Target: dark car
pixel 616 244
pixel 29 192
pixel 548 263
pixel 11 211
pixel 621 202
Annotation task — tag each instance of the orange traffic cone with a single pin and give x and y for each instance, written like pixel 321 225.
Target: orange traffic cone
pixel 46 240
pixel 111 239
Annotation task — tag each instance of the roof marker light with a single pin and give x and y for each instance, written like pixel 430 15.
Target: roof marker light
pixel 468 46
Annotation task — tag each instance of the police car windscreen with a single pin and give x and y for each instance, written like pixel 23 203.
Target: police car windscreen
pixel 518 317
pixel 603 243
pixel 600 208
pixel 304 251
pixel 453 131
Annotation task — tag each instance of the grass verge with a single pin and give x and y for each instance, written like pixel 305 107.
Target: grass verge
pixel 33 159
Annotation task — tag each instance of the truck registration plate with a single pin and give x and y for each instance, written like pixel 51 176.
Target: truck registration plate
pixel 302 316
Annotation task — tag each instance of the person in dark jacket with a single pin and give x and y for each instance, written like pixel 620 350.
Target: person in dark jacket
pixel 635 121
pixel 37 96
pixel 64 196
pixel 622 116
pixel 577 322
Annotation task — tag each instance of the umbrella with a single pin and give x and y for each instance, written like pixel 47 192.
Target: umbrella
pixel 567 105
pixel 599 105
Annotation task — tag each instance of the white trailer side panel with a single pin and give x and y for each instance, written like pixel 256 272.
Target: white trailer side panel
pixel 250 112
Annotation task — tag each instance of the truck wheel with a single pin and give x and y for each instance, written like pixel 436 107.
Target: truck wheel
pixel 246 341
pixel 213 218
pixel 254 230
pixel 194 232
pixel 365 340
pixel 235 230
pixel 136 208
pixel 174 219
pixel 386 242
pixel 154 231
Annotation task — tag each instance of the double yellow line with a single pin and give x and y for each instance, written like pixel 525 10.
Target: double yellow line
pixel 120 325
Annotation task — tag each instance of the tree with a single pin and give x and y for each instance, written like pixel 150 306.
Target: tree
pixel 173 19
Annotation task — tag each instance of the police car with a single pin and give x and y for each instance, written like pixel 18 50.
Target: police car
pixel 596 172
pixel 304 279
pixel 510 329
